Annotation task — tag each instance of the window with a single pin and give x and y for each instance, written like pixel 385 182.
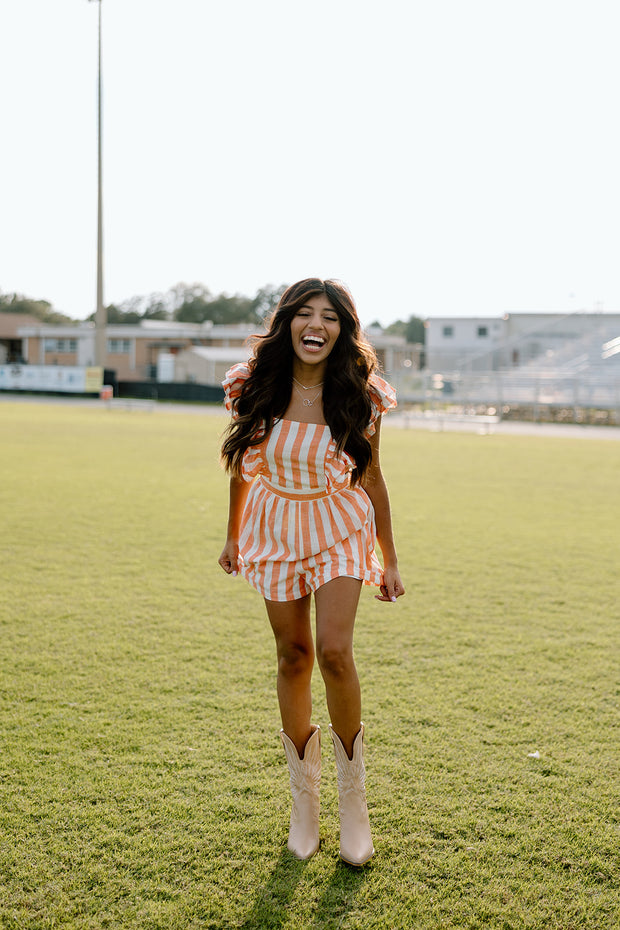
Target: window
pixel 483 331
pixel 447 332
pixel 61 345
pixel 119 346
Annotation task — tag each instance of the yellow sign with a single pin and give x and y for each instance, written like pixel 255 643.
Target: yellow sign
pixel 93 380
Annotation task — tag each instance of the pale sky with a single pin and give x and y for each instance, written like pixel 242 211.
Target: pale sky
pixel 445 157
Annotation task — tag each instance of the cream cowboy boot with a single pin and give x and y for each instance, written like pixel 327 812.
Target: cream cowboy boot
pixel 355 840
pixel 303 838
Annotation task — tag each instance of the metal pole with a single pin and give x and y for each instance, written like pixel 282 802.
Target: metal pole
pixel 100 311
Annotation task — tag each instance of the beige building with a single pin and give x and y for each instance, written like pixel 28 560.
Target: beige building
pixel 183 352
pixel 207 364
pixel 397 357
pixel 11 343
pixel 132 351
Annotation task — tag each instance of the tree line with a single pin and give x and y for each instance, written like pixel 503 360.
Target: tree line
pixel 183 303
pixel 193 303
pixel 40 309
pixel 196 304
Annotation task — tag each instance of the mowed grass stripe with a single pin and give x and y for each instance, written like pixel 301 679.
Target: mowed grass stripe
pixel 142 783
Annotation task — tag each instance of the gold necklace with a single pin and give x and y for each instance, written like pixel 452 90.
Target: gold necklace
pixel 310 386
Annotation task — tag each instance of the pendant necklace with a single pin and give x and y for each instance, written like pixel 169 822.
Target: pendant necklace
pixel 307 401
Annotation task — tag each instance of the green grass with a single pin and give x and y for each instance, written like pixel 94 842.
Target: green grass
pixel 142 783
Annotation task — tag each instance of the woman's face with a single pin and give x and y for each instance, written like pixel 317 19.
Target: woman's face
pixel 314 330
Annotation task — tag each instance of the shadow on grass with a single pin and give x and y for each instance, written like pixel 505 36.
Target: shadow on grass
pixel 270 908
pixel 334 896
pixel 339 895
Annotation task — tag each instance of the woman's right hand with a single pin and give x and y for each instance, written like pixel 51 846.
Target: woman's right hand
pixel 229 557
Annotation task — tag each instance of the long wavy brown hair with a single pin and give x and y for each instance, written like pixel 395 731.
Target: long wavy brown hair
pixel 266 393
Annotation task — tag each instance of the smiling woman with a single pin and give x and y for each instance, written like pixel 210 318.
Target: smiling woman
pixel 307 504
pixel 314 331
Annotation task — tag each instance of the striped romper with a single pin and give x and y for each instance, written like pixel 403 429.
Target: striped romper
pixel 303 525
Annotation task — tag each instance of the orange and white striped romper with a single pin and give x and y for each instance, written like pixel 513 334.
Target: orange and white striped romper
pixel 303 524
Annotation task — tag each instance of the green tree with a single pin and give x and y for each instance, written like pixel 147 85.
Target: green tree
pixel 266 300
pixel 397 328
pixel 157 310
pixel 116 315
pixel 135 309
pixel 188 302
pixel 41 309
pixel 413 329
pixel 196 304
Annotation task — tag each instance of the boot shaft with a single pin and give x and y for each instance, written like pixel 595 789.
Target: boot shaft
pixel 305 778
pixel 355 837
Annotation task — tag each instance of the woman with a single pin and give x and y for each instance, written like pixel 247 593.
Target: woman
pixel 307 503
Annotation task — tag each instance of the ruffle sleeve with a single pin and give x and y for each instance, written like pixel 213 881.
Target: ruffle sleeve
pixel 382 398
pixel 233 382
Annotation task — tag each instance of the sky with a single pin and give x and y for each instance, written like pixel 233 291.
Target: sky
pixel 443 158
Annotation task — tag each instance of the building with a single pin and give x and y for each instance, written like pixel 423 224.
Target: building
pixel 467 344
pixel 395 355
pixel 11 343
pixel 156 350
pixel 132 350
pixel 206 364
pixel 453 343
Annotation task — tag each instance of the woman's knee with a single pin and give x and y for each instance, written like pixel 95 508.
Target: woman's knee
pixel 335 659
pixel 295 659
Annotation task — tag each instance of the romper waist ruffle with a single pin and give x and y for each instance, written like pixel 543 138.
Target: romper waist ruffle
pixel 282 525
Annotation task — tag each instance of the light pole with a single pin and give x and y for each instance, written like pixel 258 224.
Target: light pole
pixel 100 312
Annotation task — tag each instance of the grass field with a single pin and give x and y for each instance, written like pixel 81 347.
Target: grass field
pixel 142 782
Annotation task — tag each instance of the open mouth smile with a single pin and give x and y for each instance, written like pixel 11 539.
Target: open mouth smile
pixel 313 343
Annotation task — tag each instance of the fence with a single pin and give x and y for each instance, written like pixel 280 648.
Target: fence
pixel 171 390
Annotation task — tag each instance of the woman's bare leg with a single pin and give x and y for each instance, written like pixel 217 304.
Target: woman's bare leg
pixel 290 622
pixel 336 606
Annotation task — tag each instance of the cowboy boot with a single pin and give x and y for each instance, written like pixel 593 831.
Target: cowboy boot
pixel 305 774
pixel 355 840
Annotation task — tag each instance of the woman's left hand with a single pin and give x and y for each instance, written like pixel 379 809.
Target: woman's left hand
pixel 391 586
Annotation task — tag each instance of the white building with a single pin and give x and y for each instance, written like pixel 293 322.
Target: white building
pixel 453 343
pixel 462 344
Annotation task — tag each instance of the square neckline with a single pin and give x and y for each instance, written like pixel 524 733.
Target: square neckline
pixel 301 422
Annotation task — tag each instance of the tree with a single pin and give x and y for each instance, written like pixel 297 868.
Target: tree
pixel 187 303
pixel 266 300
pixel 157 310
pixel 220 309
pixel 413 330
pixel 397 328
pixel 41 309
pixel 116 315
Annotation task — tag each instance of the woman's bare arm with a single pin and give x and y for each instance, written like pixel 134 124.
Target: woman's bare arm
pixel 237 498
pixel 376 488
